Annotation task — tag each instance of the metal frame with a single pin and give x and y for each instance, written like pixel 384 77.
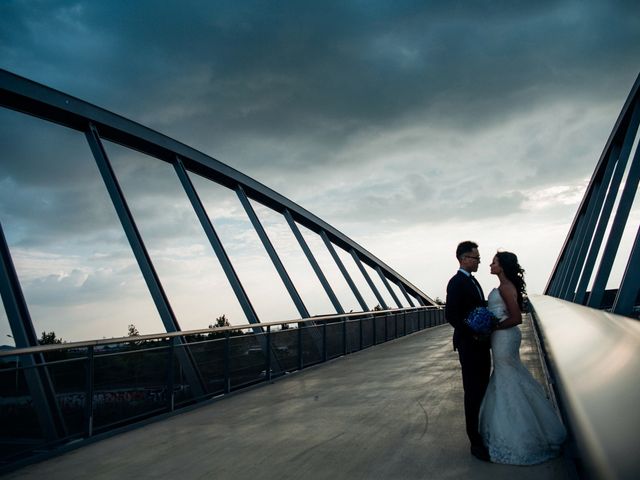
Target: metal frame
pixel 344 271
pixel 366 276
pixel 313 262
pixel 273 255
pixel 136 242
pixel 594 375
pixel 216 244
pixel 98 125
pixel 24 335
pixel 573 271
pixel 21 94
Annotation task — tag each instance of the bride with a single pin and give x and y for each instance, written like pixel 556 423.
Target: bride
pixel 519 426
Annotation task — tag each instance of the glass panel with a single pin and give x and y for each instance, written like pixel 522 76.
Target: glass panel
pixel 248 360
pixel 76 268
pixel 380 329
pixel 19 428
pixel 131 383
pixel 209 357
pixel 311 345
pixel 353 335
pixel 6 338
pixel 68 374
pixel 335 339
pixel 367 332
pixel 285 348
pixel 250 260
pixel 189 271
pixel 392 331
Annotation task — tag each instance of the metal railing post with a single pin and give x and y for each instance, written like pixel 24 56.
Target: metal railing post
pixel 324 341
pixel 88 425
pixel 300 358
pixel 344 335
pixel 268 357
pixel 171 365
pixel 227 361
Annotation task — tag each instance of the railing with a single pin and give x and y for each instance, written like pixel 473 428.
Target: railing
pixel 594 361
pixel 97 126
pixel 102 385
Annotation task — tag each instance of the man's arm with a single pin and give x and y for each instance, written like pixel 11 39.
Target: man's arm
pixel 454 310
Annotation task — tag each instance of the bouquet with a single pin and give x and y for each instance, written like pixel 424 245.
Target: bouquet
pixel 481 321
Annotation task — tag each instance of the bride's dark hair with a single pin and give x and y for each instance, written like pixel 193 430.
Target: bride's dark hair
pixel 514 273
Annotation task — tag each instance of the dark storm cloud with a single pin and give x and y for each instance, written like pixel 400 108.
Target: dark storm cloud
pixel 229 71
pixel 288 86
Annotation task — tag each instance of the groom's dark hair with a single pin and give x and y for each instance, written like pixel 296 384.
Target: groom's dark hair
pixel 465 247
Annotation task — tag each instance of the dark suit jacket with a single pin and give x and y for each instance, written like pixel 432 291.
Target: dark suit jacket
pixel 462 298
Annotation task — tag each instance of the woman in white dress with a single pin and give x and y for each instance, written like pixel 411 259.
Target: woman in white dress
pixel 518 424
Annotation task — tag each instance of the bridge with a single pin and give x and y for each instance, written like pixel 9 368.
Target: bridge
pixel 372 393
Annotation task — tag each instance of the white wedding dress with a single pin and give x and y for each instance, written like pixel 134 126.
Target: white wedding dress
pixel 518 424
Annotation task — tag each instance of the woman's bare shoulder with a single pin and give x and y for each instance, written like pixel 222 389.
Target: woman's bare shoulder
pixel 508 289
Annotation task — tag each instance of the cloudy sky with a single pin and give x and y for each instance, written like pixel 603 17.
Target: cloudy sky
pixel 407 125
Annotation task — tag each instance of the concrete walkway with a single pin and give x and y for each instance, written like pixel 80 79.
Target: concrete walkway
pixel 393 411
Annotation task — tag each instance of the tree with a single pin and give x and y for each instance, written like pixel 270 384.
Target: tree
pixel 49 339
pixel 132 331
pixel 222 321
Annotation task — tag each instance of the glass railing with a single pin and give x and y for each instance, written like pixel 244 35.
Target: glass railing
pixel 103 385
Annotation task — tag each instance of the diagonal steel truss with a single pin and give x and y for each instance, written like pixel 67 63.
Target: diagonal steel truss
pixel 23 95
pixel 601 220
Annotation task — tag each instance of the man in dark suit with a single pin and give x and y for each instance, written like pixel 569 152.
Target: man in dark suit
pixel 463 295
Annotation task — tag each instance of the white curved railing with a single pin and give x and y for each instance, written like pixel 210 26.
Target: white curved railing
pixel 594 360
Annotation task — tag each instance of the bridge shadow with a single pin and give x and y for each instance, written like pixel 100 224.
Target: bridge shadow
pixel 389 412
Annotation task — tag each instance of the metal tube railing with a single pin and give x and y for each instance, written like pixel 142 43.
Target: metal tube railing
pixel 103 385
pixel 594 361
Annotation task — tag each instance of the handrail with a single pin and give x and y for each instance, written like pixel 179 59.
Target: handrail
pixel 594 357
pixel 158 336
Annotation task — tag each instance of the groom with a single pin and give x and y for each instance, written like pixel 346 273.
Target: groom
pixel 463 295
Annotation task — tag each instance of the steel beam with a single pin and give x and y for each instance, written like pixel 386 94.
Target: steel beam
pixel 366 276
pixel 273 255
pixel 585 269
pixel 24 335
pixel 582 237
pixel 628 291
pixel 623 123
pixel 617 227
pixel 216 244
pixel 344 271
pixel 406 295
pixel 312 261
pixel 386 284
pixel 142 256
pixel 24 95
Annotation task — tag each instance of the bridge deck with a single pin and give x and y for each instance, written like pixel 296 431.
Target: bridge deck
pixel 389 412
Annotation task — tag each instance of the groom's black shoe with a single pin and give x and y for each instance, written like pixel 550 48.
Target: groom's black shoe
pixel 480 452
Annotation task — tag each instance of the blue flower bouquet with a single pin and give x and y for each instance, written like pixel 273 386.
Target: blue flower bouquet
pixel 481 321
